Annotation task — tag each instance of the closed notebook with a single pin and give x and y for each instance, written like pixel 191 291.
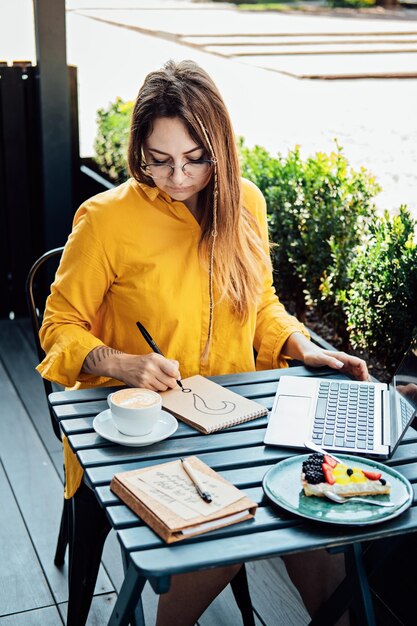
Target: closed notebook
pixel 165 498
pixel 208 406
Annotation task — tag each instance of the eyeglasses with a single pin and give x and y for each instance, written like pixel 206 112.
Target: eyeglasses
pixel 192 169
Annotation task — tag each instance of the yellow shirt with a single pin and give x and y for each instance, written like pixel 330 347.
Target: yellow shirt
pixel 133 256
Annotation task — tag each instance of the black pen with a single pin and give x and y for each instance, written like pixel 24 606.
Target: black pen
pixel 152 344
pixel 198 486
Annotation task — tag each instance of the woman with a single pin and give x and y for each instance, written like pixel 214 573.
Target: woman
pixel 182 247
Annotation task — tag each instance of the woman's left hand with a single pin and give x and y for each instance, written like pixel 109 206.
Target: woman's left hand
pixel 299 347
pixel 346 363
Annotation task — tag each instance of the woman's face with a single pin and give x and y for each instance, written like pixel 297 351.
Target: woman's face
pixel 170 143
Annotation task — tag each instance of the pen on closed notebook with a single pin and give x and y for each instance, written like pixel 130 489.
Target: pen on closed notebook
pixel 205 495
pixel 152 344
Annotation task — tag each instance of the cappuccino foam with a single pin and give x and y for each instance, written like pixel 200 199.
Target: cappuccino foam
pixel 135 398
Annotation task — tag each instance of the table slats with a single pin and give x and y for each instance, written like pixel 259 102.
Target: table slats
pixel 188 556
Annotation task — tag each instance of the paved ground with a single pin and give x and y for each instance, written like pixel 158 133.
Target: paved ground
pixel 114 44
pixel 316 45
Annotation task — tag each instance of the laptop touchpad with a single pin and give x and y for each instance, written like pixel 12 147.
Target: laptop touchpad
pixel 291 423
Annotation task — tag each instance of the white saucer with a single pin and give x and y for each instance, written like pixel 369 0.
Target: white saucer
pixel 164 427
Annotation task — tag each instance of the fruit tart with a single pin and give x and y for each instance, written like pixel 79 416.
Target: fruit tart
pixel 322 473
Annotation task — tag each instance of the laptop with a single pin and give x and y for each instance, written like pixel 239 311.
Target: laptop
pixel 344 415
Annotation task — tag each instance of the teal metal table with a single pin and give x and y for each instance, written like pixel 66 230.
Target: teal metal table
pixel 240 456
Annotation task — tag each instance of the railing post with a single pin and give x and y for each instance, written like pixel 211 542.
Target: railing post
pixel 55 121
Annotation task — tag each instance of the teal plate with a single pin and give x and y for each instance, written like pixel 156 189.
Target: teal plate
pixel 282 484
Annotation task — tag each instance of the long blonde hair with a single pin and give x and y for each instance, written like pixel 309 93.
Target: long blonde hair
pixel 230 239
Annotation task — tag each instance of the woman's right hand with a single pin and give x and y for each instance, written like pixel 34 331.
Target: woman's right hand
pixel 151 371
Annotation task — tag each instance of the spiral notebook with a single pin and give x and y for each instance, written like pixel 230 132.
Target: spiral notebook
pixel 208 406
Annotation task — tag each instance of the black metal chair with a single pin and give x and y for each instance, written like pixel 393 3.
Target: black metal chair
pixel 36 315
pixel 84 526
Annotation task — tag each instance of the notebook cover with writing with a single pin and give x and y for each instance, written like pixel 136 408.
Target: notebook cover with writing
pixel 166 523
pixel 210 407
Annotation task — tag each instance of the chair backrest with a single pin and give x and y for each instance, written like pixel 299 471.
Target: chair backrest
pixel 37 289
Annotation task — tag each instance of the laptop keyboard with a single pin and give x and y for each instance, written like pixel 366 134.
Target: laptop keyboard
pixel 406 412
pixel 345 415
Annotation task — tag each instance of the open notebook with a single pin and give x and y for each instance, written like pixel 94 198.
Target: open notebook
pixel 208 406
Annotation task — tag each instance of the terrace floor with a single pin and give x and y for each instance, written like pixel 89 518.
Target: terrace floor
pixel 34 592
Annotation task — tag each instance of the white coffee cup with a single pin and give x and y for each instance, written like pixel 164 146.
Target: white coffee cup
pixel 135 411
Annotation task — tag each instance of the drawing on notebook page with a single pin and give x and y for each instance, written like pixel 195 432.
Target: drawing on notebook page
pixel 200 405
pixel 210 406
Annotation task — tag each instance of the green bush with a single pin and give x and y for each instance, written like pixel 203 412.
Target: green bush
pixel 381 302
pixel 351 4
pixel 318 210
pixel 112 139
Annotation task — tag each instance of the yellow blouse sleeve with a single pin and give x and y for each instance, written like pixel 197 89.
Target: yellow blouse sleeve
pixel 273 324
pixel 84 276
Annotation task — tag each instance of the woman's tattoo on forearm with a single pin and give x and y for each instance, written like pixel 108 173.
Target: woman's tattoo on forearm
pixel 96 356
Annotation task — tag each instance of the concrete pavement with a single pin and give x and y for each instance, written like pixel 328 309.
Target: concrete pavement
pixel 279 41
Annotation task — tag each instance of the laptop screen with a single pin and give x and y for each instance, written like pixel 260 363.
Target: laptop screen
pixel 405 385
